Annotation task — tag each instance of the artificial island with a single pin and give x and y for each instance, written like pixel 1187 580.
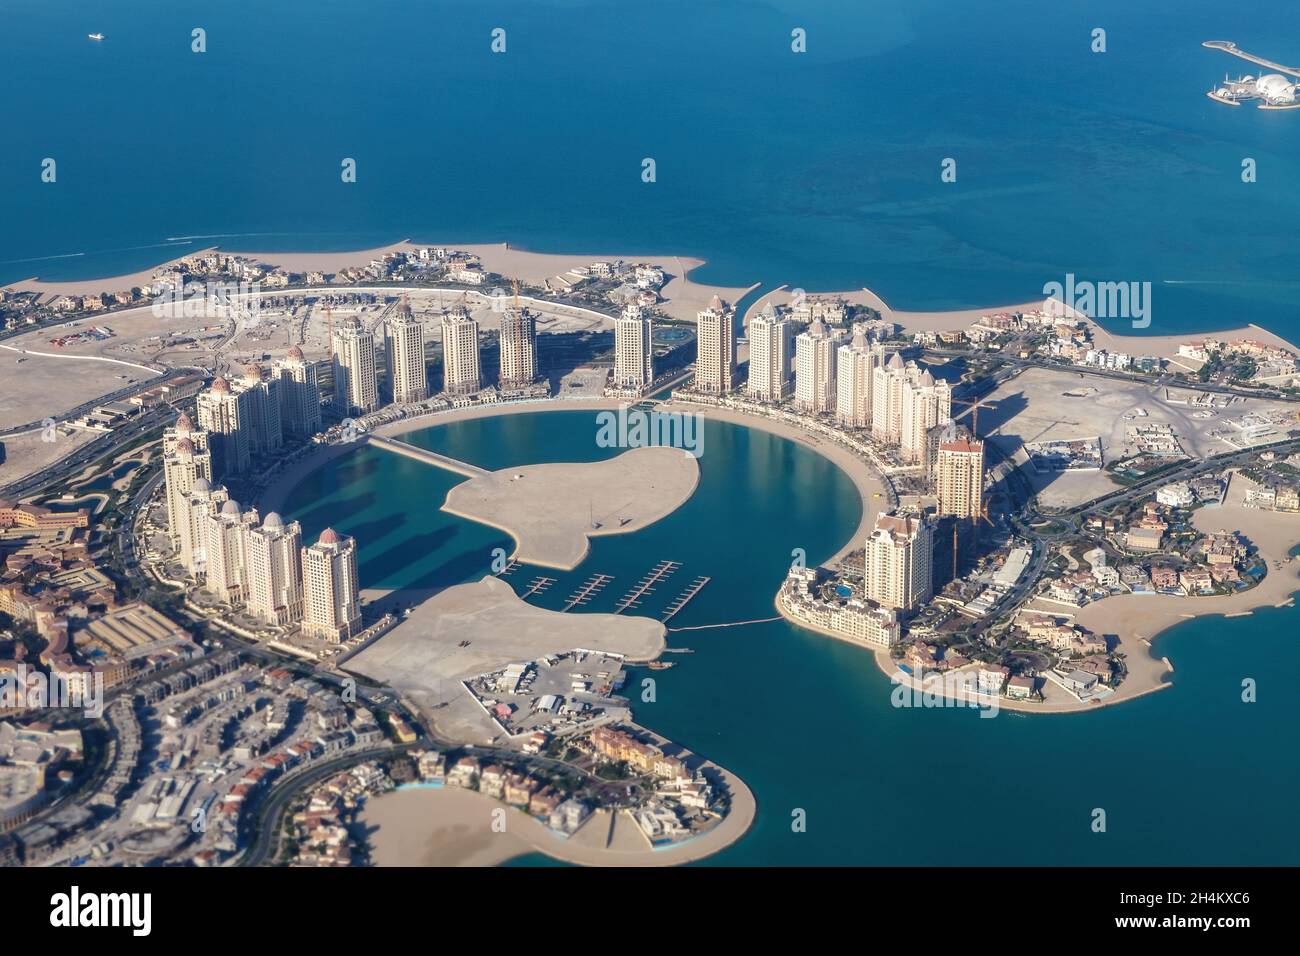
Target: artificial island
pixel 1039 498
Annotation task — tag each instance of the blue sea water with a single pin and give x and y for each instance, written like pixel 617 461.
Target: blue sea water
pixel 819 169
pixel 1190 775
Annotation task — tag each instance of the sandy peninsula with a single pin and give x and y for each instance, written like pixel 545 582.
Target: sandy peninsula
pixel 471 629
pixel 447 826
pixel 1135 620
pixel 553 510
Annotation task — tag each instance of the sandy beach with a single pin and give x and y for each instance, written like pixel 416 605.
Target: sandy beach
pixel 448 826
pixel 951 320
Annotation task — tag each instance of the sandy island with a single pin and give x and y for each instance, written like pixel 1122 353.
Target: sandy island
pixel 553 510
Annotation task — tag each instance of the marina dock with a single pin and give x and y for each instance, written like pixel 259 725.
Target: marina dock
pixel 684 598
pixel 646 585
pixel 588 590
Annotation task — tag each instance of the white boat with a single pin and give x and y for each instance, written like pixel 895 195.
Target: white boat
pixel 95 36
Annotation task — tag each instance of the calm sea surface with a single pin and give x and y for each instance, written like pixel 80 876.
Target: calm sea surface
pixel 820 169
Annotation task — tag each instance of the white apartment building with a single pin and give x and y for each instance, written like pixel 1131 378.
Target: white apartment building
pixel 814 369
pixel 331 596
pixel 408 379
pixel 356 388
pixel 633 351
pixel 460 357
pixel 274 569
pixel 715 357
pixel 771 348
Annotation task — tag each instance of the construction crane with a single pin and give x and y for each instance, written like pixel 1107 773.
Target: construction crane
pixel 329 329
pixel 514 283
pixel 975 407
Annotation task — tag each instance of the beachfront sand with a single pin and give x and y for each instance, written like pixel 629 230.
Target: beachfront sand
pixel 951 320
pixel 552 510
pixel 448 826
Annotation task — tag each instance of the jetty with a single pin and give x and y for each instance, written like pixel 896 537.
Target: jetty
pixel 646 585
pixel 1227 46
pixel 588 590
pixel 428 457
pixel 684 598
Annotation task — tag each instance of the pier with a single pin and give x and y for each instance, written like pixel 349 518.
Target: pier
pixel 588 590
pixel 646 585
pixel 1227 46
pixel 684 598
pixel 538 585
pixel 428 457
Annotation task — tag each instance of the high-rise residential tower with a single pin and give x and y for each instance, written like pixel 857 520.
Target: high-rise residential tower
pixel 518 348
pixel 182 469
pixel 771 347
pixel 226 415
pixel 262 395
pixel 855 370
pixel 715 356
pixel 814 369
pixel 331 597
pixel 356 388
pixel 300 412
pixel 633 351
pixel 899 558
pixel 274 571
pixel 959 478
pixel 408 379
pixel 461 373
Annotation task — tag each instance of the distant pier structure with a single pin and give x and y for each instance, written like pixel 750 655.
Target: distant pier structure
pixel 1276 90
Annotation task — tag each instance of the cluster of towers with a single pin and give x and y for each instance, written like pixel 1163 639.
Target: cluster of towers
pixel 260 564
pixel 250 416
pixel 902 551
pixel 356 383
pixel 827 371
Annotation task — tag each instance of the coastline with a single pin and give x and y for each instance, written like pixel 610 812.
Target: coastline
pixel 459 831
pixel 1144 617
pixel 682 296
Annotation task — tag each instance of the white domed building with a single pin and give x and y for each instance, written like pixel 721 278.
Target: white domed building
pixel 1275 88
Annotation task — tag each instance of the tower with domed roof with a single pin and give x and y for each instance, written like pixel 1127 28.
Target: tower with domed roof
pixel 300 405
pixel 855 370
pixel 331 595
pixel 275 571
pixel 185 462
pixel 814 369
pixel 771 350
pixel 226 414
